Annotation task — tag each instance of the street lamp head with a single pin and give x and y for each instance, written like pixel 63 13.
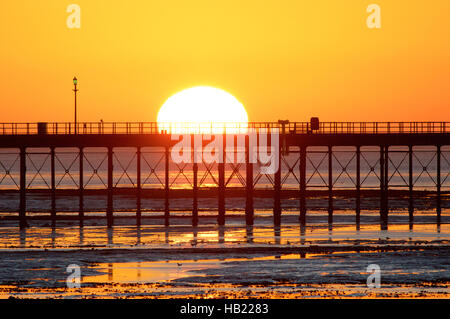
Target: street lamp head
pixel 75 81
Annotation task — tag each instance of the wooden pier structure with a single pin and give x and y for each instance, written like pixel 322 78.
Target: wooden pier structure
pixel 297 138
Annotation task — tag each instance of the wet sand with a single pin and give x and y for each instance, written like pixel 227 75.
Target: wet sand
pixel 227 262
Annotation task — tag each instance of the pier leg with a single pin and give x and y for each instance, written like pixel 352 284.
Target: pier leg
pixel 138 186
pixel 410 184
pixel 221 169
pixel 381 177
pixel 386 183
pixel 109 210
pixel 195 184
pixel 302 234
pixel 277 192
pixel 23 200
pixel 358 184
pixel 195 196
pixel 277 234
pixel 53 185
pixel 249 210
pixel 330 184
pixel 302 166
pixel 249 234
pixel 438 184
pixel 383 169
pixel 167 188
pixel 221 234
pixel 81 190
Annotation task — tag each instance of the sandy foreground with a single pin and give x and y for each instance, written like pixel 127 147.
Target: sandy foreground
pixel 233 262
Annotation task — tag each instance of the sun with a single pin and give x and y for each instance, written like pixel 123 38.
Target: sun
pixel 202 109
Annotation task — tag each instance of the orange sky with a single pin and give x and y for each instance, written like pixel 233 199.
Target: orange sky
pixel 282 59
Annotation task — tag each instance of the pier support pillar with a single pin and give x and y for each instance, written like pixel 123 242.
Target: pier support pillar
pixel 302 166
pixel 221 195
pixel 249 210
pixel 410 185
pixel 195 195
pixel 386 183
pixel 438 184
pixel 330 184
pixel 195 158
pixel 53 186
pixel 383 185
pixel 81 190
pixel 166 187
pixel 138 186
pixel 109 210
pixel 277 190
pixel 195 182
pixel 358 184
pixel 23 200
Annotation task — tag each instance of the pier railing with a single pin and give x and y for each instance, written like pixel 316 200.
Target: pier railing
pixel 62 128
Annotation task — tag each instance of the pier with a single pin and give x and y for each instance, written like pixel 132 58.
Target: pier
pixel 314 146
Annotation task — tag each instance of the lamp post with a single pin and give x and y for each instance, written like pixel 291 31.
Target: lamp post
pixel 75 82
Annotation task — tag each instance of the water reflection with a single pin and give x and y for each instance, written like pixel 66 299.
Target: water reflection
pixel 139 270
pixel 110 232
pixel 383 225
pixel 138 235
pixel 277 234
pixel 221 230
pixel 330 233
pixel 194 236
pixel 302 234
pixel 23 238
pixel 81 235
pixel 110 272
pixel 166 233
pixel 249 234
pixel 202 236
pixel 53 237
